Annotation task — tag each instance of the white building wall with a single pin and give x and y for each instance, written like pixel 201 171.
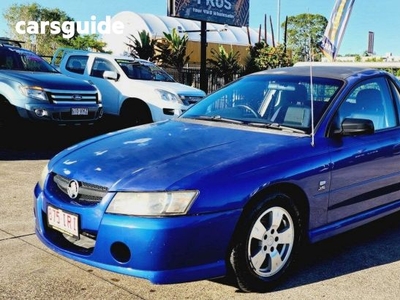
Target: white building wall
pixel 157 25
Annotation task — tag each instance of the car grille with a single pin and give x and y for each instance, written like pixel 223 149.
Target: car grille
pixel 80 97
pixel 89 194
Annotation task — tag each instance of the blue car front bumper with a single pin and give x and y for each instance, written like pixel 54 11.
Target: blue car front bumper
pixel 162 250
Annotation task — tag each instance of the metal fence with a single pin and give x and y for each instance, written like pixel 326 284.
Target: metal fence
pixel 191 76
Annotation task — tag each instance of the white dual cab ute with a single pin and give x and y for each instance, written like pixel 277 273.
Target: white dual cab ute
pixel 135 90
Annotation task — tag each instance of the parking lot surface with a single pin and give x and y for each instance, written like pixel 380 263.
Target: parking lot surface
pixel 361 264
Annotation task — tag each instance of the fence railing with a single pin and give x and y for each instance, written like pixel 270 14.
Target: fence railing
pixel 191 76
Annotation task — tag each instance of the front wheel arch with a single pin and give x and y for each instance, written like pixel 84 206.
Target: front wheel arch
pixel 243 254
pixel 135 112
pixel 9 116
pixel 293 191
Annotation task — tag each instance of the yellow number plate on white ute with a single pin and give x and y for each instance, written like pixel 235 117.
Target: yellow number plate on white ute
pixel 63 221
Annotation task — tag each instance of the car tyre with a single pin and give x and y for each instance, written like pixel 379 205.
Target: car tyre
pixel 135 113
pixel 266 244
pixel 8 115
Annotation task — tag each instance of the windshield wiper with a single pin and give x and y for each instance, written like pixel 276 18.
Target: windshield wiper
pixel 275 126
pixel 218 118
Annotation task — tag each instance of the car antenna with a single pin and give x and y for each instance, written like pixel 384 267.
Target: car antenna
pixel 310 58
pixel 312 105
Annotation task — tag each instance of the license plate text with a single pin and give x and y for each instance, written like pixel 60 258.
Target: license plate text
pixel 79 111
pixel 63 221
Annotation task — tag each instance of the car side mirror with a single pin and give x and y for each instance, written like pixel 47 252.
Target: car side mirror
pixel 352 127
pixel 110 75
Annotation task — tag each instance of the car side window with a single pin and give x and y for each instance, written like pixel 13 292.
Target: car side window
pixel 396 94
pixel 370 100
pixel 7 60
pixel 99 66
pixel 76 64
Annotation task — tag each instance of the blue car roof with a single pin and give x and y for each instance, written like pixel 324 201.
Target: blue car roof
pixel 334 72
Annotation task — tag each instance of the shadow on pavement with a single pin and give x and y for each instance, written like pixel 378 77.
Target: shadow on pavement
pixel 369 246
pixel 41 142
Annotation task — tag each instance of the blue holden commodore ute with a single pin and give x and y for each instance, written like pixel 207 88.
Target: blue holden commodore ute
pixel 238 184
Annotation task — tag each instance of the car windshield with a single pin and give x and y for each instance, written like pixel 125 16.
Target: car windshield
pixel 268 101
pixel 23 60
pixel 144 70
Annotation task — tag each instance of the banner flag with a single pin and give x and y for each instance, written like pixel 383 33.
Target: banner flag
pixel 335 29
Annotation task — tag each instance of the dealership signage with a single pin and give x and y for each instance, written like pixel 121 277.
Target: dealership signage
pixel 230 12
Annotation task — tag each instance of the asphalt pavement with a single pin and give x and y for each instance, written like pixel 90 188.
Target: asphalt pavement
pixel 361 264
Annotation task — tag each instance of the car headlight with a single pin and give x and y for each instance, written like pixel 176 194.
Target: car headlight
pixel 168 96
pixel 152 203
pixel 35 92
pixel 43 176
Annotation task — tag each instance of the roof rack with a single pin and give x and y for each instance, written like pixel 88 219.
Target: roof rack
pixel 4 41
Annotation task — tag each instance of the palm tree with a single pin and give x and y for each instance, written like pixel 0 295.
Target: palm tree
pixel 225 64
pixel 142 47
pixel 172 51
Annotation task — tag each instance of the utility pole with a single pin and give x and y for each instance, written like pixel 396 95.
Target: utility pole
pixel 203 57
pixel 278 25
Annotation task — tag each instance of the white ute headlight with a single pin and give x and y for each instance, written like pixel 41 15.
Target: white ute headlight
pixel 35 92
pixel 152 203
pixel 168 96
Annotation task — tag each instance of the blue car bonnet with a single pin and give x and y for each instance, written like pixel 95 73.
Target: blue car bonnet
pixel 158 155
pixel 49 80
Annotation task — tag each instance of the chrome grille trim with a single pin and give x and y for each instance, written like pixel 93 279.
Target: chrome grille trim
pixel 88 193
pixel 70 96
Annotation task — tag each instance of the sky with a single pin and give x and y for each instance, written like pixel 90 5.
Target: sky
pixel 380 17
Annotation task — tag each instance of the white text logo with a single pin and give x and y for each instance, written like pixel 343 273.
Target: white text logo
pixel 68 28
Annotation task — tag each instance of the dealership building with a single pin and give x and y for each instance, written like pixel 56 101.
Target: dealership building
pixel 231 37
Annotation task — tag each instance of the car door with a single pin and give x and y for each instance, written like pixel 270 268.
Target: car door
pixel 110 94
pixel 366 168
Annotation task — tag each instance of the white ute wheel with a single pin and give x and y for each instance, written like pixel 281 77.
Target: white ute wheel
pixel 135 113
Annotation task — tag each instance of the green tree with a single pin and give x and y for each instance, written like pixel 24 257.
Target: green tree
pixel 250 64
pixel 374 59
pixel 225 64
pixel 172 51
pixel 262 56
pixel 46 43
pixel 142 47
pixel 304 32
pixel 90 42
pixel 273 57
pixel 43 44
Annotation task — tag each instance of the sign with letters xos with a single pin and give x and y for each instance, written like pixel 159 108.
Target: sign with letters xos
pixel 230 12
